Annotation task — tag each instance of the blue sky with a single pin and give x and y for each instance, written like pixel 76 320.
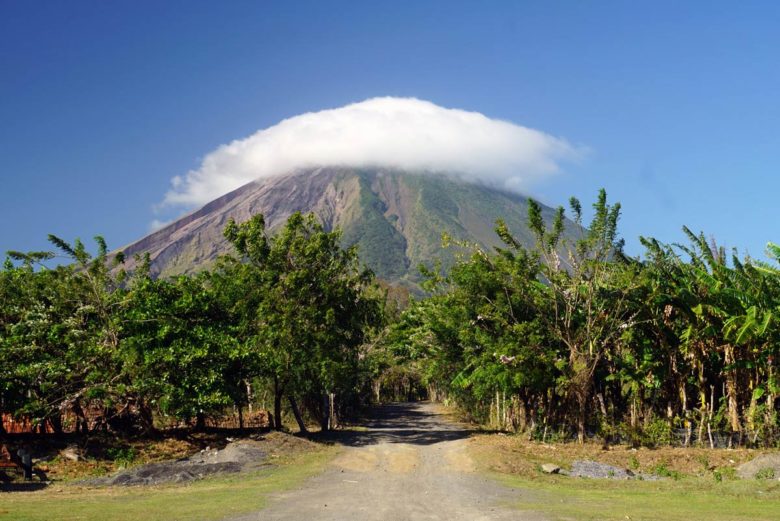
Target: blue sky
pixel 102 103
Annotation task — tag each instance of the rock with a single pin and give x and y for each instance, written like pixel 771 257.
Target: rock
pixel 767 466
pixel 551 468
pixel 71 452
pixel 594 469
pixel 235 457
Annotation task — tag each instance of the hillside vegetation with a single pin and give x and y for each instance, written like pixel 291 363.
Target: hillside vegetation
pixel 568 338
pixel 394 218
pixel 573 337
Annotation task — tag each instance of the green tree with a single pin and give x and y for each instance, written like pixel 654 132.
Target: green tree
pixel 587 312
pixel 178 349
pixel 306 309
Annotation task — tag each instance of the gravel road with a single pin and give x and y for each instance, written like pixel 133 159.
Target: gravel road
pixel 409 464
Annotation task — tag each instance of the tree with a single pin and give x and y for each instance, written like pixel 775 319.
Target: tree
pixel 65 331
pixel 587 312
pixel 306 309
pixel 178 350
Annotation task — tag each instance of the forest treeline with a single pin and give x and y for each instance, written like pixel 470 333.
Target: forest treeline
pixel 567 339
pixel 573 337
pixel 286 316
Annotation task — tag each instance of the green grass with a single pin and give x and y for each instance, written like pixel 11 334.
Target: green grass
pixel 214 498
pixel 689 499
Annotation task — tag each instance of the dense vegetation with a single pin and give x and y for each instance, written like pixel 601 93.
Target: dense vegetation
pixel 574 337
pixel 569 338
pixel 289 312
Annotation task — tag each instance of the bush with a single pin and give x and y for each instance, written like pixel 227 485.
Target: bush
pixel 658 432
pixel 724 473
pixel 662 470
pixel 122 456
pixel 766 473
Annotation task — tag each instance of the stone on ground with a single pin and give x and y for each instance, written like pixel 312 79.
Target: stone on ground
pixel 235 457
pixel 594 469
pixel 760 467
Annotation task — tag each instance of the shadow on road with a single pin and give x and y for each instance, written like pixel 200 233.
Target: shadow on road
pixel 413 423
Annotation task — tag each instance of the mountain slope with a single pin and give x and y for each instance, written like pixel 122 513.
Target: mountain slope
pixel 396 218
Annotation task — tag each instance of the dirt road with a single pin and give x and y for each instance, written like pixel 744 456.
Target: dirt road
pixel 409 464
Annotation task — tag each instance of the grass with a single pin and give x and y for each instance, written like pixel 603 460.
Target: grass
pixel 699 484
pixel 688 499
pixel 214 498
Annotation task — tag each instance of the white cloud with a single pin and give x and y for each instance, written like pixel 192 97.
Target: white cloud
pixel 404 133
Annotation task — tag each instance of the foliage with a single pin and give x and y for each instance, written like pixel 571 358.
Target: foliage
pixel 306 308
pixel 296 308
pixel 574 335
pixel 568 338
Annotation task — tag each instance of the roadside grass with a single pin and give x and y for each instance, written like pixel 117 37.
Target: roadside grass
pixel 209 499
pixel 689 499
pixel 700 483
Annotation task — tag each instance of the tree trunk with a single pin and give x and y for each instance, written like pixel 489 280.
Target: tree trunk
pixel 297 414
pixel 240 418
pixel 146 416
pixel 325 420
pixel 200 421
pixel 731 389
pixel 702 403
pixel 712 412
pixel 249 396
pixel 55 420
pixel 582 413
pixel 332 420
pixel 769 415
pixel 277 405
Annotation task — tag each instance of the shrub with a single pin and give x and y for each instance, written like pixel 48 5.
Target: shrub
pixel 724 473
pixel 662 470
pixel 658 432
pixel 122 456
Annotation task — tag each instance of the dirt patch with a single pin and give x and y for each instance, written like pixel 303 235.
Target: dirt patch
pixel 402 459
pixel 356 460
pixel 74 457
pixel 280 444
pixel 517 455
pixel 460 461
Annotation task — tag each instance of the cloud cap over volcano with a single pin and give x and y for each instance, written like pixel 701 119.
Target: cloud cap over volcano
pixel 405 133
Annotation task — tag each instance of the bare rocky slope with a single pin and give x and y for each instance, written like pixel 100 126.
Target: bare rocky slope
pixel 395 217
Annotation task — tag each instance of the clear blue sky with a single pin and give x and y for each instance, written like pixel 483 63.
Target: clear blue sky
pixel 101 103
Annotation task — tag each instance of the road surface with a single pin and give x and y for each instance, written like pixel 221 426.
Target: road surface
pixel 410 464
